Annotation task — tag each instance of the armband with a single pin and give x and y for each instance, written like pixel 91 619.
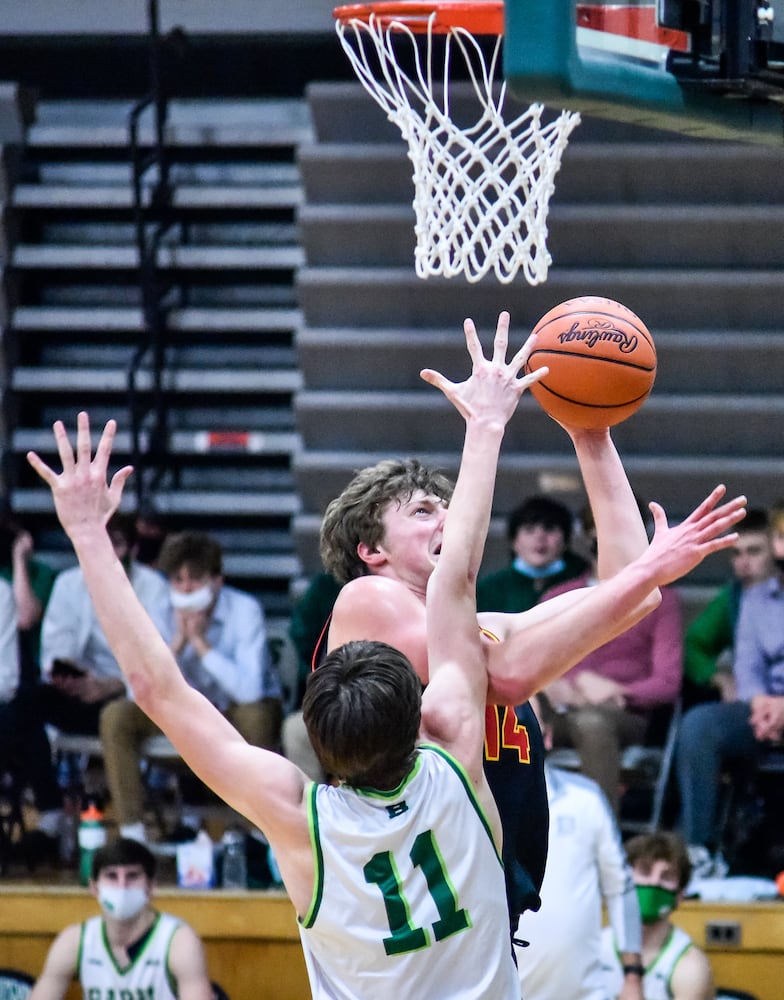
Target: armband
pixel 634 970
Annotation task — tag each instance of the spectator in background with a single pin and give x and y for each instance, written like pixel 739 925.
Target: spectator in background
pixel 9 653
pixel 218 637
pixel 151 530
pixel 707 660
pixel 586 866
pixel 24 746
pixel 80 672
pixel 310 619
pixel 539 533
pixel 130 949
pixel 32 582
pixel 734 729
pixel 674 967
pixel 605 702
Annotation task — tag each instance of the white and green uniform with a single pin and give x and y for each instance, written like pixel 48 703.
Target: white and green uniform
pixel 147 977
pixel 409 897
pixel 656 981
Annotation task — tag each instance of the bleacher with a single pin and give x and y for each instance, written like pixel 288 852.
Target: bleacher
pixel 683 232
pixel 230 373
pixel 299 327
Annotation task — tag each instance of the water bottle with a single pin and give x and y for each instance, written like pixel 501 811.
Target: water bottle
pixel 69 827
pixel 92 835
pixel 235 861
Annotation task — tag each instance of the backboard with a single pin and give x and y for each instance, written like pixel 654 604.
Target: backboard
pixel 708 68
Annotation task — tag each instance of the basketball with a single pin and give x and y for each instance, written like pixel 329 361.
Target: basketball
pixel 602 362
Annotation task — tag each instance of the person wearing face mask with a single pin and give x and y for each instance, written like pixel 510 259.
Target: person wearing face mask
pixel 673 967
pixel 738 728
pixel 79 676
pixel 539 532
pixel 218 637
pixel 130 949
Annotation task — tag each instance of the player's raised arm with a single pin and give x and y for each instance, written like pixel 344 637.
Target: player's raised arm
pixel 453 705
pixel 550 646
pixel 206 740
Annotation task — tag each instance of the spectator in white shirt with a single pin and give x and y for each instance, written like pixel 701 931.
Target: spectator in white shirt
pixel 80 672
pixel 586 865
pixel 9 646
pixel 218 636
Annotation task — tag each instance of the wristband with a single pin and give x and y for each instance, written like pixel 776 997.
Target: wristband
pixel 634 970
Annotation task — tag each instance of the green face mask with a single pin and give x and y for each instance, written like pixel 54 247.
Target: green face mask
pixel 656 902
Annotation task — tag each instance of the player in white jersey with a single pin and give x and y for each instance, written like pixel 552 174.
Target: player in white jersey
pixel 130 949
pixel 673 967
pixel 394 861
pixel 363 706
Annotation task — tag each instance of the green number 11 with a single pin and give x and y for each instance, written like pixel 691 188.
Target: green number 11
pixel 382 871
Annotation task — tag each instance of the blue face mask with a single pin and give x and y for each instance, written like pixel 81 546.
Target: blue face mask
pixel 537 572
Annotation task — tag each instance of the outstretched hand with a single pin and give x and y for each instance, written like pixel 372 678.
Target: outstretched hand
pixel 679 549
pixel 492 391
pixel 82 497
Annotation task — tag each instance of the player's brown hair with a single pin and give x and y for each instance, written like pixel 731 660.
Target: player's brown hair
pixel 661 846
pixel 200 553
pixel 362 710
pixel 355 516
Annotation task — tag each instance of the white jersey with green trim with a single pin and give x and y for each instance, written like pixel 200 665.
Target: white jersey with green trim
pixel 658 975
pixel 409 897
pixel 147 976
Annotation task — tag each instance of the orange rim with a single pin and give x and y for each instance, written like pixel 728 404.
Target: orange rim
pixel 480 18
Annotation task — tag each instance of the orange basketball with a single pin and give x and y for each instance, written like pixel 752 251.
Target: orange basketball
pixel 602 362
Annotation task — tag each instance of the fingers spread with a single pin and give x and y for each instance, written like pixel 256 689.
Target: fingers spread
pixel 43 470
pixel 64 449
pixel 501 341
pixel 472 342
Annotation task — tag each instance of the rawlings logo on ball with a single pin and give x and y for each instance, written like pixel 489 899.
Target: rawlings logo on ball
pixel 596 333
pixel 601 362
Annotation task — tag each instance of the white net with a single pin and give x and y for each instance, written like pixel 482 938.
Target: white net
pixel 481 192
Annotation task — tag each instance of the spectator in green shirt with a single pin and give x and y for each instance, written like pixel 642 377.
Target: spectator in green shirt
pixel 710 637
pixel 539 532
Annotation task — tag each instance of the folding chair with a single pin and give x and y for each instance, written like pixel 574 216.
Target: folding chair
pixel 646 770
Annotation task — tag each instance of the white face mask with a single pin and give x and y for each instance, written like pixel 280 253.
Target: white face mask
pixel 196 600
pixel 121 904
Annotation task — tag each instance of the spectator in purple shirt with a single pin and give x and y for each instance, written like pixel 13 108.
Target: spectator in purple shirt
pixel 605 701
pixel 735 730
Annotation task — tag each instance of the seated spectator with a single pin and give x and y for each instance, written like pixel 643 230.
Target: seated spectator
pixel 80 672
pixel 309 623
pixel 539 533
pixel 604 702
pixel 736 728
pixel 9 648
pixel 151 530
pixel 586 866
pixel 32 581
pixel 130 949
pixel 707 655
pixel 218 637
pixel 25 585
pixel 672 965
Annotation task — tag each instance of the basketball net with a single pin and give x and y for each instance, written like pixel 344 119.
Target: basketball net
pixel 481 193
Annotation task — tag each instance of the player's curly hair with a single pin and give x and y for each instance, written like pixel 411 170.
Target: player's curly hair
pixel 362 710
pixel 355 516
